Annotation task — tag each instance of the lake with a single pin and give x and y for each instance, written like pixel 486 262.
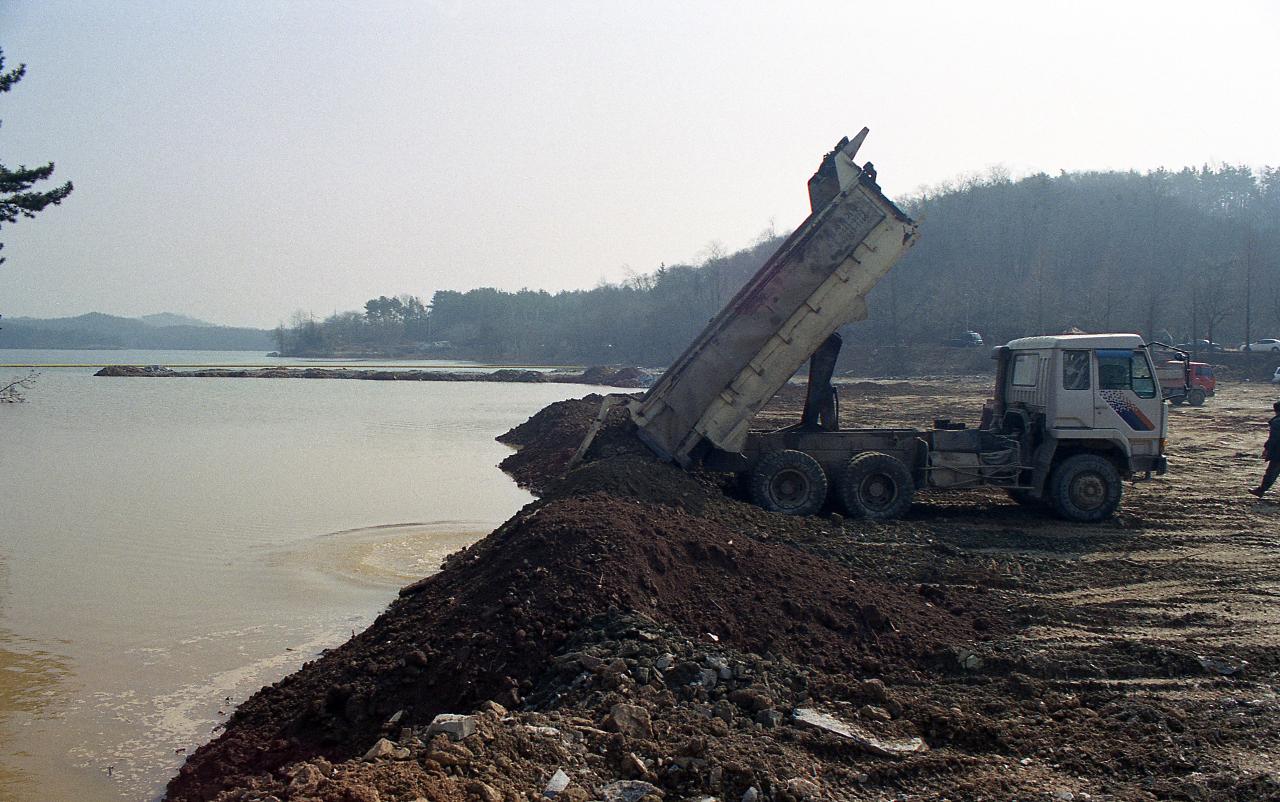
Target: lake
pixel 167 546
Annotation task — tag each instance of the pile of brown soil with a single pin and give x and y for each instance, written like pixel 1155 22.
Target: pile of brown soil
pixel 486 626
pixel 547 442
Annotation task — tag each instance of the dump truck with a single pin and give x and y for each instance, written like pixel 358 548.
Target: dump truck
pixel 1186 382
pixel 1071 417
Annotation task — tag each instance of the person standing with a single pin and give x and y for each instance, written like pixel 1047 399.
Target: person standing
pixel 1270 453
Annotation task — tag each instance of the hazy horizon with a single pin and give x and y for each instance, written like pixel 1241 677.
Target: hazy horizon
pixel 239 161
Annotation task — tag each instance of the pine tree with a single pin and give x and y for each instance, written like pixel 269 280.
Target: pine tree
pixel 17 199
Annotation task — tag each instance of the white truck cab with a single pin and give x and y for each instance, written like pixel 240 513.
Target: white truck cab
pixel 1092 396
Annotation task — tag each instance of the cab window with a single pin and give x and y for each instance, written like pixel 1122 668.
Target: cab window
pixel 1125 370
pixel 1113 370
pixel 1075 370
pixel 1025 370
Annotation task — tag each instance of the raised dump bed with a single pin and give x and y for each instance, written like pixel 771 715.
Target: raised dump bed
pixel 816 282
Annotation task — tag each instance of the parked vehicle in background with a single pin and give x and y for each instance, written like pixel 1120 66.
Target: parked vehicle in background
pixel 1202 345
pixel 1276 378
pixel 1186 382
pixel 970 339
pixel 1265 344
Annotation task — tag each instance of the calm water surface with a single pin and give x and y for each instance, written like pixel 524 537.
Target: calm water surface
pixel 167 546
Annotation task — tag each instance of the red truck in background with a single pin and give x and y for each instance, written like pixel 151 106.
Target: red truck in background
pixel 1185 382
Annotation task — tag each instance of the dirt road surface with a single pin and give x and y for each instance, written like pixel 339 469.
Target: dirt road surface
pixel 641 633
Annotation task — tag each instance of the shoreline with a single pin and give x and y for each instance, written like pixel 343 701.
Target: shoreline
pixel 610 377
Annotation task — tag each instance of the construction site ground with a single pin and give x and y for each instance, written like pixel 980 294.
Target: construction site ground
pixel 643 633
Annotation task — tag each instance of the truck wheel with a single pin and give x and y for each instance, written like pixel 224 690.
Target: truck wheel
pixel 876 486
pixel 1085 487
pixel 790 482
pixel 1196 397
pixel 1024 498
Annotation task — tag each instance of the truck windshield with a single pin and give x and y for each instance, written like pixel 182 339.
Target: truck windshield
pixel 1143 382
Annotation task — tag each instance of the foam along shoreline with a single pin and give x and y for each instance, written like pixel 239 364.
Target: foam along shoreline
pixel 388 555
pixel 629 377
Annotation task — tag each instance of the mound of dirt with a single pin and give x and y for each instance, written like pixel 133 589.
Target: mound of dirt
pixel 641 477
pixel 546 442
pixel 486 626
pixel 615 377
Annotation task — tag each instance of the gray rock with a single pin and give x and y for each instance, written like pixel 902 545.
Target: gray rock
pixel 708 678
pixel 1226 668
pixel 665 662
pixel 968 660
pixel 769 718
pixel 385 749
pixel 454 725
pixel 752 794
pixel 887 747
pixel 630 720
pixel 628 791
pixel 558 782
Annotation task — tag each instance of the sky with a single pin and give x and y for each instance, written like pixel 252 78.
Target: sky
pixel 240 161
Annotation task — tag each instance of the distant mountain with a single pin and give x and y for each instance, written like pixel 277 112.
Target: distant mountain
pixel 154 332
pixel 163 319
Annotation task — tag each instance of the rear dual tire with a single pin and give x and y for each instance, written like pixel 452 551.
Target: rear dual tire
pixel 873 485
pixel 790 482
pixel 876 486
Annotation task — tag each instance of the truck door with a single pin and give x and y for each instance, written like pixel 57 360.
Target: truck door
pixel 1127 398
pixel 1075 401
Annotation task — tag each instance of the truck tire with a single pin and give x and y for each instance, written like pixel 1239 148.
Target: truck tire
pixel 790 482
pixel 1084 487
pixel 876 486
pixel 1196 397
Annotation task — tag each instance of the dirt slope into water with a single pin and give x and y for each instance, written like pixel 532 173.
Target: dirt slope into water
pixel 647 634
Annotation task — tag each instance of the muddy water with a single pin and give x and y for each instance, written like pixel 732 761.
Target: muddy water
pixel 169 545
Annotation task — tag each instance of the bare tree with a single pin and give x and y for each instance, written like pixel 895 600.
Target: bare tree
pixel 12 393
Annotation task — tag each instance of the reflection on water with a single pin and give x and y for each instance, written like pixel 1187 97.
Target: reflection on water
pixel 170 545
pixel 29 679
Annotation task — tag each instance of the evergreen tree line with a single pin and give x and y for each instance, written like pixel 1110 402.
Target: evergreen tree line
pixel 1173 255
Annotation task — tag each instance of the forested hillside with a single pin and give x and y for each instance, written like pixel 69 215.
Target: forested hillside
pixel 1182 255
pixel 96 330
